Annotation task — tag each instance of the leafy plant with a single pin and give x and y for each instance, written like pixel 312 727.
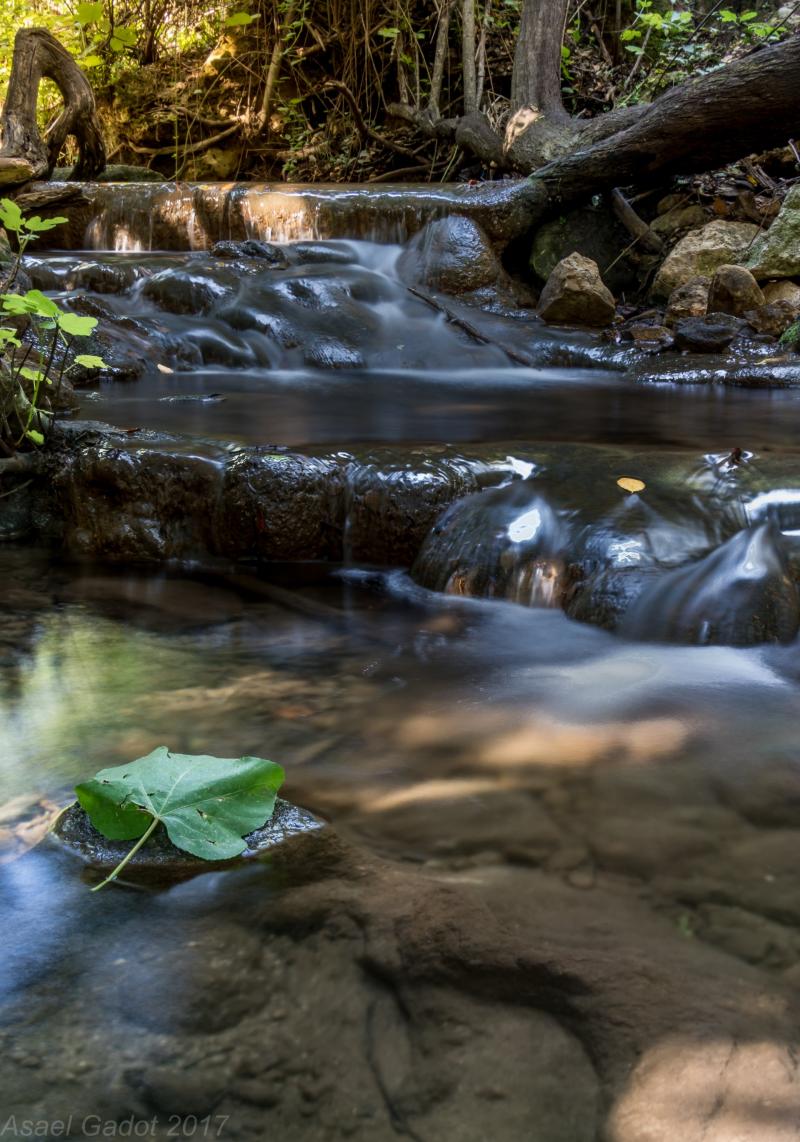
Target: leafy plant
pixel 207 804
pixel 792 336
pixel 57 327
pixel 26 369
pixel 26 230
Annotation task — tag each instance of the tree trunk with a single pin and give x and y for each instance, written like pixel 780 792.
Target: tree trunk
pixel 468 72
pixel 24 154
pixel 536 79
pixel 440 58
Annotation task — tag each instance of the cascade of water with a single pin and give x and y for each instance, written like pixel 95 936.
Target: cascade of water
pixel 180 216
pixel 740 594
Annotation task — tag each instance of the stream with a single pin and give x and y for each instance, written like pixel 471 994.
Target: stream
pixel 551 724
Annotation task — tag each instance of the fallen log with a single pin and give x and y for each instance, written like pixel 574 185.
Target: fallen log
pixel 751 105
pixel 25 154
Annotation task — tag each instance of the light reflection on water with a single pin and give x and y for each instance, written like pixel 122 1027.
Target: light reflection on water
pixel 383 681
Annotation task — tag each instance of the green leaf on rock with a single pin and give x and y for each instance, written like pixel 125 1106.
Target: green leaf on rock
pixel 207 804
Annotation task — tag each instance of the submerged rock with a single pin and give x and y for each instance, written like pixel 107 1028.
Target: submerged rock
pixel 575 294
pixel 776 254
pixel 701 252
pixel 159 859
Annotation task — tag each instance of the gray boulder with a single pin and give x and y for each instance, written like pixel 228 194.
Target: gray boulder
pixel 734 290
pixel 688 300
pixel 677 220
pixel 709 334
pixel 702 252
pixel 782 291
pixel 575 295
pixel 590 231
pixel 453 255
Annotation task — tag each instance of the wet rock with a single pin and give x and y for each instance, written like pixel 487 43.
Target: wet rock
pixel 330 354
pixel 318 254
pixel 652 337
pixel 159 860
pixel 776 254
pixel 452 255
pixel 390 507
pixel 506 543
pixel 180 1092
pixel 740 595
pixel 678 219
pixel 711 334
pixel 280 506
pixel 137 505
pixel 688 300
pixel 100 277
pixel 772 320
pixel 575 295
pixel 701 252
pixel 592 232
pixel 733 290
pixel 180 291
pixel 273 255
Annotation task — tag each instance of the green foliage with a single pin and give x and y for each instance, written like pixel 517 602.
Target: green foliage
pixel 239 19
pixel 51 328
pixel 676 40
pixel 207 804
pixel 791 337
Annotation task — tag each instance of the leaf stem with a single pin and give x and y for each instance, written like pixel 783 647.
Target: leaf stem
pixel 113 875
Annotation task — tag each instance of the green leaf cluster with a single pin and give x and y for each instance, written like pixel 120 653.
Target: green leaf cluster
pixel 51 329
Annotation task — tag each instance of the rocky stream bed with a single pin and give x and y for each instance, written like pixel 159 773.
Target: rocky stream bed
pixel 337 505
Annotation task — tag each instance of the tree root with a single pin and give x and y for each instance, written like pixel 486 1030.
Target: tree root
pixel 26 154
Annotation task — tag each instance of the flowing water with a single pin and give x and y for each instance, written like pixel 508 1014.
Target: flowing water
pixel 579 699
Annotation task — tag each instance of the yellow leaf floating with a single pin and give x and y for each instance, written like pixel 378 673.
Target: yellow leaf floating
pixel 628 484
